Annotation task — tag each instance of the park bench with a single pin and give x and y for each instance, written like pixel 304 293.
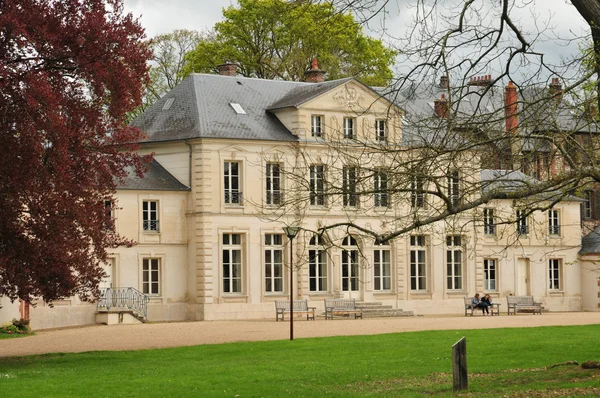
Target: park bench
pixel 523 304
pixel 342 307
pixel 470 307
pixel 282 307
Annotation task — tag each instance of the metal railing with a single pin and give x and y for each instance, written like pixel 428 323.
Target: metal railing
pixel 124 298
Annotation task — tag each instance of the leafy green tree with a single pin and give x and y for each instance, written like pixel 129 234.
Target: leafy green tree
pixel 276 39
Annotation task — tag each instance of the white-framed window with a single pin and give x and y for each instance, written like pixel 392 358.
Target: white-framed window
pixel 349 195
pixel 316 126
pixel 587 204
pixel 554 273
pixel 108 221
pixel 418 263
pixel 489 224
pixel 380 187
pixel 381 130
pixel 150 215
pixel 273 263
pixel 349 264
pixel 273 184
pixel 231 182
pixel 454 262
pixel 417 192
pixel 349 128
pixel 522 225
pixel 490 274
pixel 317 264
pixel 382 268
pixel 553 222
pixel 317 185
pixel 151 276
pixel 454 188
pixel 232 263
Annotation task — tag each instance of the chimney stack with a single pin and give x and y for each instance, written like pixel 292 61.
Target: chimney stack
pixel 555 89
pixel 481 81
pixel 440 107
pixel 444 82
pixel 511 108
pixel 314 74
pixel 227 69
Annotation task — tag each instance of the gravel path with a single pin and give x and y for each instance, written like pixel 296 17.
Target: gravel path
pixel 161 335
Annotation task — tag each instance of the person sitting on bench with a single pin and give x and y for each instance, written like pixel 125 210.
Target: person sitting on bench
pixel 481 304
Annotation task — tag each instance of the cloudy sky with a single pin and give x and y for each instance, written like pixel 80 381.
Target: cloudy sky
pixel 558 17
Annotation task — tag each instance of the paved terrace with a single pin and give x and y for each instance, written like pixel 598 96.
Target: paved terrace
pixel 176 334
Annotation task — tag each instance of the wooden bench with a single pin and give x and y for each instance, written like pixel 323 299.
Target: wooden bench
pixel 282 307
pixel 342 306
pixel 523 304
pixel 470 307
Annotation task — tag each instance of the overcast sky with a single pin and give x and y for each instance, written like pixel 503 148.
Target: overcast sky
pixel 558 16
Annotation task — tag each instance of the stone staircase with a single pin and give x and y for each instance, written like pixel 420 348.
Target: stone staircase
pixel 375 309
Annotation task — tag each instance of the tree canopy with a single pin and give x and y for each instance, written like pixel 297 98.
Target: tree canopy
pixel 276 39
pixel 69 73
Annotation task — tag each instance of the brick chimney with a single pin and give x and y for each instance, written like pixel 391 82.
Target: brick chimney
pixel 227 69
pixel 440 107
pixel 444 82
pixel 314 74
pixel 481 81
pixel 555 89
pixel 511 108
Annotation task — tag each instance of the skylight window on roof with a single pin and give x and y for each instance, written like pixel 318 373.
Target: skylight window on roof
pixel 238 108
pixel 168 103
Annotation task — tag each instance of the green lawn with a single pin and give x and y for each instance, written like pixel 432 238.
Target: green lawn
pixel 501 362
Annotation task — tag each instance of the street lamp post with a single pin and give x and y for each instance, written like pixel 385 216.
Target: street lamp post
pixel 291 233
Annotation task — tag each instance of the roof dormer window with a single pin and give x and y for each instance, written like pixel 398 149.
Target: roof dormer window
pixel 238 108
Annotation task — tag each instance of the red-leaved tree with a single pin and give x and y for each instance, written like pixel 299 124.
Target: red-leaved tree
pixel 69 72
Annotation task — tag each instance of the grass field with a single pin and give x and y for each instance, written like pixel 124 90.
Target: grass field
pixel 501 362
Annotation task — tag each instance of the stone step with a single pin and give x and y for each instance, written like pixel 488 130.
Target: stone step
pixel 387 313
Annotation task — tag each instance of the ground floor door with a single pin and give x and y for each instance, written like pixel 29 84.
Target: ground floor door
pixel 522 287
pixel 350 268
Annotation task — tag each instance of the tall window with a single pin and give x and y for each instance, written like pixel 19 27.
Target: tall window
pixel 151 276
pixel 273 184
pixel 418 263
pixel 489 224
pixel 273 263
pixel 489 275
pixel 453 188
pixel 349 131
pixel 232 263
pixel 380 130
pixel 317 185
pixel 350 198
pixel 380 189
pixel 522 227
pixel 454 271
pixel 316 128
pixel 108 222
pixel 417 192
pixel 554 271
pixel 150 215
pixel 231 182
pixel 382 268
pixel 553 222
pixel 587 204
pixel 317 264
pixel 349 264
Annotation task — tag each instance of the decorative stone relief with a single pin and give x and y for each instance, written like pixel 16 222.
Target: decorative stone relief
pixel 348 97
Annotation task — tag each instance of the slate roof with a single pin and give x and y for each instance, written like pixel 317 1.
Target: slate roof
pixel 200 108
pixel 155 179
pixel 511 180
pixel 590 244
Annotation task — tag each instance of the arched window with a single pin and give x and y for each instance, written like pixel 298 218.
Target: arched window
pixel 349 264
pixel 317 264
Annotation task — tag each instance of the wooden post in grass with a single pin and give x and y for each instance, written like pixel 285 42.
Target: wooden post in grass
pixel 459 365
